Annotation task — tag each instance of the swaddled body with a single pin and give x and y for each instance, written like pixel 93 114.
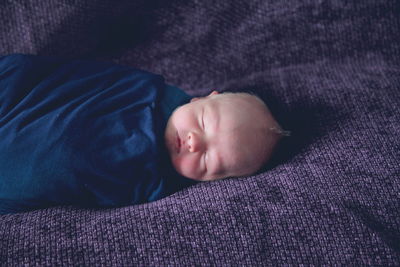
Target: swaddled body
pixel 86 133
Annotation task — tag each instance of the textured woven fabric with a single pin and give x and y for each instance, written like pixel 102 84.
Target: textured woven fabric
pixel 329 71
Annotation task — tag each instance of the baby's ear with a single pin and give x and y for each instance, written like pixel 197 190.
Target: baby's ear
pixel 213 93
pixel 194 99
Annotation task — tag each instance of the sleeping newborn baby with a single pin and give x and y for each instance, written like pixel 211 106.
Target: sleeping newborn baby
pixel 95 134
pixel 221 135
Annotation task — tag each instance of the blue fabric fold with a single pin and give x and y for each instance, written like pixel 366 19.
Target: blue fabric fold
pixel 83 133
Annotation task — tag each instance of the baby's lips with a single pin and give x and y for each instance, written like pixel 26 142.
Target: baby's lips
pixel 178 143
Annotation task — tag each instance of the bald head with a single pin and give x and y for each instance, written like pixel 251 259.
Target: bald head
pixel 257 130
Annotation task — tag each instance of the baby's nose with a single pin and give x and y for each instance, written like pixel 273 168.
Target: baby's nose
pixel 193 142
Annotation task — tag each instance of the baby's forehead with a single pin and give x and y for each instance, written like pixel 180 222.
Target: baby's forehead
pixel 240 99
pixel 239 106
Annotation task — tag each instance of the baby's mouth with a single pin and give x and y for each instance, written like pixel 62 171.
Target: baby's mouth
pixel 178 143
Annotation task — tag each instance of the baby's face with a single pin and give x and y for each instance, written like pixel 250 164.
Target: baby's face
pixel 212 138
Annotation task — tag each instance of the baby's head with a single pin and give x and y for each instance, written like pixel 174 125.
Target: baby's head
pixel 221 135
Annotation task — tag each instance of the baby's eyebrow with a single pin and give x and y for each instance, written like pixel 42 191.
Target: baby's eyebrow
pixel 212 114
pixel 213 117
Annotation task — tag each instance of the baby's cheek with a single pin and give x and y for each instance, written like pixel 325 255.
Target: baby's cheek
pixel 187 166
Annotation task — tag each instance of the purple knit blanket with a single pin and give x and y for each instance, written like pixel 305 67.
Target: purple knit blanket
pixel 330 73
